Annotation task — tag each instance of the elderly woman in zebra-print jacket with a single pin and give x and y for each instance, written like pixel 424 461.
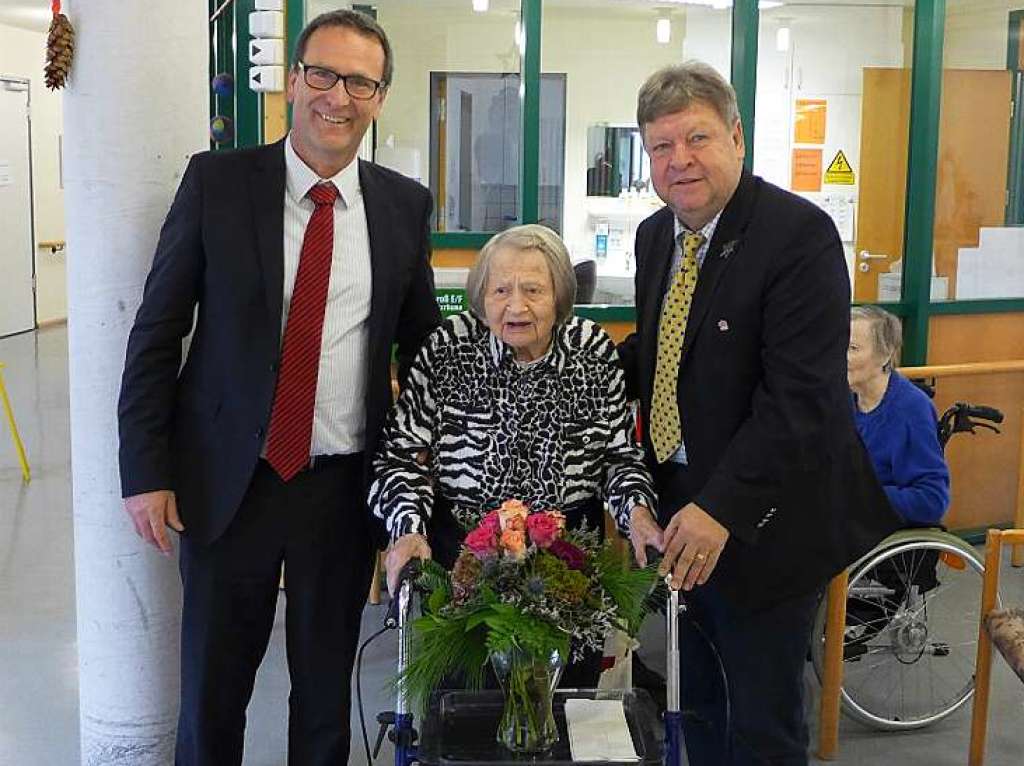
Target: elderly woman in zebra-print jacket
pixel 516 398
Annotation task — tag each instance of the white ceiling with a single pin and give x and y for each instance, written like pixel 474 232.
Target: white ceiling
pixel 35 14
pixel 28 14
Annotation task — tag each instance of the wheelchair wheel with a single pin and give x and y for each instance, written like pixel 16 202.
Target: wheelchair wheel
pixel 911 630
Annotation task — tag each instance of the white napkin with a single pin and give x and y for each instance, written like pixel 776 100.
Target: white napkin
pixel 598 731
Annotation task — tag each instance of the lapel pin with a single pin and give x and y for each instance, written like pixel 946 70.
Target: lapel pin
pixel 728 248
pixel 723 326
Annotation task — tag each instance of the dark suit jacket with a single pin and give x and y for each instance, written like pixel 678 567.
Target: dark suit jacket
pixel 763 395
pixel 219 264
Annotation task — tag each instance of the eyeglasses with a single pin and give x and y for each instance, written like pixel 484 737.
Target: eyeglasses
pixel 357 86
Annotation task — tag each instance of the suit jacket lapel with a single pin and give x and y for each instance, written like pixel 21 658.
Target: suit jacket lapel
pixel 379 223
pixel 725 248
pixel 662 249
pixel 266 190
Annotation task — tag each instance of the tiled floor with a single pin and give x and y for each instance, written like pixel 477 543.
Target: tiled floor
pixel 38 662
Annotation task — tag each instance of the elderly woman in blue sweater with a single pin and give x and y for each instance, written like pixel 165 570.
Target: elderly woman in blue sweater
pixel 896 420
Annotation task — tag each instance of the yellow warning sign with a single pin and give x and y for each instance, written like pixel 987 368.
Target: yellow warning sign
pixel 839 171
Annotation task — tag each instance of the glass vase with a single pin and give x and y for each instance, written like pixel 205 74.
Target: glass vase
pixel 528 683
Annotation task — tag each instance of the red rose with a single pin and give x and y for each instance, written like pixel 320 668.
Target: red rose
pixel 544 529
pixel 573 557
pixel 482 542
pixel 491 521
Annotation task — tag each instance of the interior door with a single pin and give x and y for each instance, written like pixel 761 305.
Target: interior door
pixel 884 142
pixel 17 297
pixel 971 172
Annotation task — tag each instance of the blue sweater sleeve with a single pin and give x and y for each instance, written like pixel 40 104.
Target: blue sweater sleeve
pixel 919 486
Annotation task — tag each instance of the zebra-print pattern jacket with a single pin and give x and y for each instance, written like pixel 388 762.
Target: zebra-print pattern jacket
pixel 475 428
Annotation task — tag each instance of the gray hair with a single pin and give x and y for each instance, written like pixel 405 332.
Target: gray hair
pixel 359 22
pixel 677 87
pixel 530 236
pixel 886 332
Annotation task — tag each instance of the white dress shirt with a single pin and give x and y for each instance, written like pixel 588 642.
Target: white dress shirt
pixel 339 421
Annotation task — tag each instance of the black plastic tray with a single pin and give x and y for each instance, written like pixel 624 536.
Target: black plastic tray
pixel 460 727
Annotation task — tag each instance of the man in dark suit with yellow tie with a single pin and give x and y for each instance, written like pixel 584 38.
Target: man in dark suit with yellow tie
pixel 302 265
pixel 739 362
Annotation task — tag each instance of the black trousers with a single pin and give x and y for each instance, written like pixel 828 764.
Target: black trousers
pixel 318 526
pixel 762 652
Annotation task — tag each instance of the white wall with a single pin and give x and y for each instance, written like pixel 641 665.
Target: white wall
pixel 976 33
pixel 22 55
pixel 605 53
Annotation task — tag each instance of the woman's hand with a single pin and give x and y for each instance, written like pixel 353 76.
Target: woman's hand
pixel 644 531
pixel 411 546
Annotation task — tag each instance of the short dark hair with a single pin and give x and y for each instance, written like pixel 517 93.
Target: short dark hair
pixel 354 20
pixel 678 86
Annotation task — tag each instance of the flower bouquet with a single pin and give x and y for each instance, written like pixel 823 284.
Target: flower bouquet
pixel 528 595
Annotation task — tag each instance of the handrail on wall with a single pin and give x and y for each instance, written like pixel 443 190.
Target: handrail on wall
pixel 972 368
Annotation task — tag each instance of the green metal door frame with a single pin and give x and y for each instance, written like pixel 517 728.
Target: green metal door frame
pixel 743 70
pixel 1015 171
pixel 922 170
pixel 530 13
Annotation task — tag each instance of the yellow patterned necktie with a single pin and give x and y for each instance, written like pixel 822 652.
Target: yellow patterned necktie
pixel 666 432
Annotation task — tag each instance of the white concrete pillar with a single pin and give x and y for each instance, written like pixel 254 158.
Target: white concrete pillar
pixel 134 110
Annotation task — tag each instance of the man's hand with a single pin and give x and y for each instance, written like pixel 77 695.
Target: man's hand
pixel 411 546
pixel 644 531
pixel 152 513
pixel 693 543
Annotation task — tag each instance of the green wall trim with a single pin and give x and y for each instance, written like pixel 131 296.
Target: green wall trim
pixel 899 309
pixel 600 312
pixel 530 13
pixel 988 306
pixel 918 236
pixel 460 240
pixel 743 70
pixel 249 115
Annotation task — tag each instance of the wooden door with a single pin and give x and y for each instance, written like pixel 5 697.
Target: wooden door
pixel 974 133
pixel 884 141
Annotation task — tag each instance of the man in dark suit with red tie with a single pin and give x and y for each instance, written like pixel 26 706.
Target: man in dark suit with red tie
pixel 296 267
pixel 739 361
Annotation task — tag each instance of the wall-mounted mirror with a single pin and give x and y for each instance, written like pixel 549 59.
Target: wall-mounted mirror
pixel 616 161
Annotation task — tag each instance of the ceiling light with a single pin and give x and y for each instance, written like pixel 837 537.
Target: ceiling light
pixel 480 5
pixel 782 39
pixel 663 31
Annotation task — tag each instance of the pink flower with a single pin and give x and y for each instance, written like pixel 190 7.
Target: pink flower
pixel 513 541
pixel 544 528
pixel 491 521
pixel 482 542
pixel 573 557
pixel 511 510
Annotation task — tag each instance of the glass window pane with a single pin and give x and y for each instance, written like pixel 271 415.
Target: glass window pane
pixel 832 124
pixel 606 49
pixel 463 144
pixel 979 208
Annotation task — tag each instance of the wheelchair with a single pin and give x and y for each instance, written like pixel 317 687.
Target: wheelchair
pixel 911 629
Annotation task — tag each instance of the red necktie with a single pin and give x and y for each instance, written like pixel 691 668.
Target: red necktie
pixel 291 419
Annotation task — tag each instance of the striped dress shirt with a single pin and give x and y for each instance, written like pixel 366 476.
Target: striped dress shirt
pixel 339 421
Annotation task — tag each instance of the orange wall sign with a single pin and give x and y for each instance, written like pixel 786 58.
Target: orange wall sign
pixel 806 170
pixel 811 115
